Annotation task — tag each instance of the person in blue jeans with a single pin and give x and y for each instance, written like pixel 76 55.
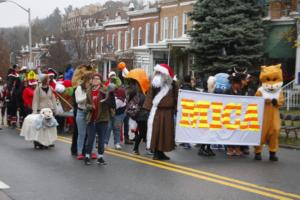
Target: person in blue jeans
pixel 80 97
pixel 100 106
pixel 116 122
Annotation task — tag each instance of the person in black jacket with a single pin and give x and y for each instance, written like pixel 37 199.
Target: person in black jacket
pixel 187 85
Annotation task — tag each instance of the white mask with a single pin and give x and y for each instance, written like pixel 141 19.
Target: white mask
pixel 157 81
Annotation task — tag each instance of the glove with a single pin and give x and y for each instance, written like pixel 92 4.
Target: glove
pixel 274 102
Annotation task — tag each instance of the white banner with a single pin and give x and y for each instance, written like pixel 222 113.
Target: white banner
pixel 218 119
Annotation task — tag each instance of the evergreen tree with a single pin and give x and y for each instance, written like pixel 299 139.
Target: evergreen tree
pixel 227 33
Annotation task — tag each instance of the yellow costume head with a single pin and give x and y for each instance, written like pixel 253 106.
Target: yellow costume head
pixel 271 77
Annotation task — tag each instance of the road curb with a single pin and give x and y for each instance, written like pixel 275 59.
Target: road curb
pixel 286 146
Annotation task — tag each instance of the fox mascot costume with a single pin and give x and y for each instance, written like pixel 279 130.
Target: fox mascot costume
pixel 272 81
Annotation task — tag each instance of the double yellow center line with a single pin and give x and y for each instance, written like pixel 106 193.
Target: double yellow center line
pixel 202 175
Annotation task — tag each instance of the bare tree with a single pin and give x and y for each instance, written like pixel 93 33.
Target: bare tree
pixel 59 58
pixel 4 55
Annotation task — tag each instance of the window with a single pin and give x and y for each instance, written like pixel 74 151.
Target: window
pixel 147 35
pixel 155 36
pixel 132 37
pixel 119 40
pixel 184 24
pixel 107 39
pixel 140 37
pixel 126 40
pixel 97 44
pixel 175 27
pixel 113 41
pixel 92 44
pixel 101 45
pixel 166 28
pixel 87 46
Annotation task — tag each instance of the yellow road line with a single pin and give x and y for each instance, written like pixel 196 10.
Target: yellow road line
pixel 211 175
pixel 244 188
pixel 197 174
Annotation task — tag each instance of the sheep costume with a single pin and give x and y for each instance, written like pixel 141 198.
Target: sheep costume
pixel 40 127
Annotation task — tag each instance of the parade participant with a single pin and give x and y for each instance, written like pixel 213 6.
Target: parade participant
pixel 137 86
pixel 122 66
pixel 13 84
pixel 23 85
pixel 272 80
pixel 43 96
pixel 209 86
pixel 27 96
pixel 116 121
pixel 2 100
pixel 235 89
pixel 99 111
pixel 80 97
pixel 187 85
pixel 111 75
pixel 161 101
pixel 76 80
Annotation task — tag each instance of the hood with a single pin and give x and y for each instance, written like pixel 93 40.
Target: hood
pixel 141 77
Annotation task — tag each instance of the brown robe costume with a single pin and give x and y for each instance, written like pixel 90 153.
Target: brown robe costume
pixel 163 123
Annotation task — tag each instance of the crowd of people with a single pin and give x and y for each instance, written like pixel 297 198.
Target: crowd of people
pixel 104 106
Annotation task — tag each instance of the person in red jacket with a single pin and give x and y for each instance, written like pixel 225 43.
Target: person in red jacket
pixel 28 96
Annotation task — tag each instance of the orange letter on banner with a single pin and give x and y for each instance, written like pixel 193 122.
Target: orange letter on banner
pixel 201 113
pixel 226 115
pixel 251 122
pixel 217 108
pixel 187 117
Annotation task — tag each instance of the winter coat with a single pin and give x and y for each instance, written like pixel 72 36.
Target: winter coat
pixel 162 125
pixel 41 99
pixel 106 108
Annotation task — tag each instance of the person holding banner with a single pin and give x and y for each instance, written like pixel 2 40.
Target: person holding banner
pixel 235 89
pixel 187 85
pixel 161 101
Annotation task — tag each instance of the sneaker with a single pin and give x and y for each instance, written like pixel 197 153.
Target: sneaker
pixel 136 152
pixel 87 161
pixel 230 151
pixel 94 156
pixel 118 147
pixel 149 152
pixel 101 161
pixel 80 157
pixel 238 151
pixel 257 156
pixel 187 146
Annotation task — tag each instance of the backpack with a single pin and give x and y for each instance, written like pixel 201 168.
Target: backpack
pixel 133 107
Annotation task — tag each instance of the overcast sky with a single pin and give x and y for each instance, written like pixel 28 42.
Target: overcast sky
pixel 11 15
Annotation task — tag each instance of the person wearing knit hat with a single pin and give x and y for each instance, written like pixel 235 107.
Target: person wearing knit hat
pixel 27 96
pixel 161 101
pixel 13 85
pixel 100 107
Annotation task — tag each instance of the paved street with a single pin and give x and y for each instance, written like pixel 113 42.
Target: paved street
pixel 56 175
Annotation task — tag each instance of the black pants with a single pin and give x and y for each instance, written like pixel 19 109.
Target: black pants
pixel 142 126
pixel 126 127
pixel 75 135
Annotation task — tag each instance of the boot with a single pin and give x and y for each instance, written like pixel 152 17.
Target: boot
pixel 209 151
pixel 273 157
pixel 202 151
pixel 257 156
pixel 129 142
pixel 163 156
pixel 156 155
